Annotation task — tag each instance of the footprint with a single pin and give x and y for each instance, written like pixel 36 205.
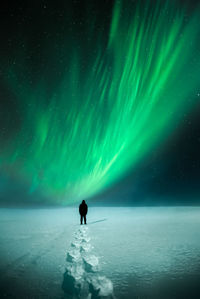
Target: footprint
pixel 100 287
pixel 76 244
pixel 81 278
pixel 85 247
pixel 91 263
pixel 73 256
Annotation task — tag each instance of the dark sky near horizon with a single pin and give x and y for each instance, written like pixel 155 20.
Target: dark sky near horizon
pixel 45 43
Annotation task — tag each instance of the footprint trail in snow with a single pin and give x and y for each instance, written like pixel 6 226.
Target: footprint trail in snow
pixel 82 278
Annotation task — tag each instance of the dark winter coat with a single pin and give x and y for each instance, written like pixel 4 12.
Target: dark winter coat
pixel 83 208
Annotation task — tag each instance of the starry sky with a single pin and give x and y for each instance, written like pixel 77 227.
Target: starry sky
pixel 100 100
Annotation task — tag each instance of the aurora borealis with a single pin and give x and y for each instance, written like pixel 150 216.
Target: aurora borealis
pixel 96 100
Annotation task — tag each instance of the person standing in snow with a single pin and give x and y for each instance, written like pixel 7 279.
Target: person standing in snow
pixel 83 208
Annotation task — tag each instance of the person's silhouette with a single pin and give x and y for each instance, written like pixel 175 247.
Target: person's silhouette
pixel 83 208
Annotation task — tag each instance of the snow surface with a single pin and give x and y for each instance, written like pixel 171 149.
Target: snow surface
pixel 121 253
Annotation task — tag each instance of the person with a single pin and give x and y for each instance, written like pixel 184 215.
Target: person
pixel 83 208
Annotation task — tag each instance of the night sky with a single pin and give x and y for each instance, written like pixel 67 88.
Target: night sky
pixel 100 100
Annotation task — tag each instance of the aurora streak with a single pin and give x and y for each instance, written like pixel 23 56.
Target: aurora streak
pixel 95 127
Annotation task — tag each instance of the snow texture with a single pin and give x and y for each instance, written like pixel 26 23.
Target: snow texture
pixel 82 278
pixel 146 253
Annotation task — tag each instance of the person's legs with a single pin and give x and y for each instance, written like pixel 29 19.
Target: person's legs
pixel 81 219
pixel 85 219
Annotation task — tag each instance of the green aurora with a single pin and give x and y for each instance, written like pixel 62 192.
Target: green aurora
pixel 99 123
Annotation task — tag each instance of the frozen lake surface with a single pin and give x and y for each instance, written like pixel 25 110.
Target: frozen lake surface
pixel 121 253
